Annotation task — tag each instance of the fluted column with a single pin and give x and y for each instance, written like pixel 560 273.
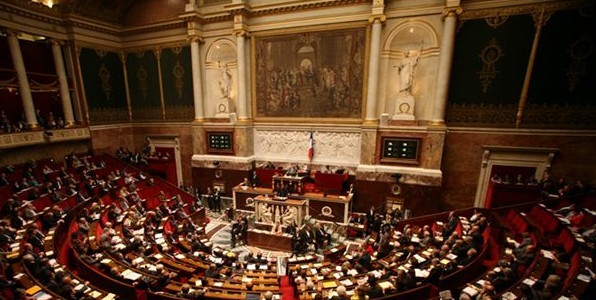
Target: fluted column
pixel 197 86
pixel 64 90
pixel 241 78
pixel 444 69
pixel 24 89
pixel 373 72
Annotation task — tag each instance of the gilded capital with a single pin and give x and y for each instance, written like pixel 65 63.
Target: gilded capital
pixel 55 42
pixel 377 18
pixel 241 32
pixel 195 39
pixel 453 11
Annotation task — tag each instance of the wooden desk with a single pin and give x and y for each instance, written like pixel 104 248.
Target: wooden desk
pixel 262 239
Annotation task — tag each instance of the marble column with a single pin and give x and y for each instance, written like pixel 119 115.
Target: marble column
pixel 24 89
pixel 64 90
pixel 197 87
pixel 373 72
pixel 241 78
pixel 444 69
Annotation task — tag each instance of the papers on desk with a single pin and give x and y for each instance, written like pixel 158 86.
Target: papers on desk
pixel 347 282
pixel 508 296
pixel 106 261
pixel 329 284
pixel 481 282
pixel 137 260
pixel 120 246
pixel 94 294
pixel 50 253
pixel 386 285
pixel 451 256
pixel 349 257
pixel 246 279
pixel 263 267
pixel 313 271
pixel 421 273
pixel 218 284
pixel 584 278
pixel 109 296
pixel 81 287
pixel 159 235
pixel 42 296
pixel 48 238
pixel 445 261
pixel 33 290
pixel 160 241
pixel 415 239
pixel 252 267
pixel 131 275
pixel 472 292
pixel 158 256
pixel 337 275
pixel 180 256
pixel 529 281
pixel 376 273
pixel 18 276
pixel 333 250
pixel 53 262
pixel 419 258
pixel 352 272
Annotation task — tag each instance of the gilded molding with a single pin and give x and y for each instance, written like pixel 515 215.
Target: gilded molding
pixel 108 115
pixel 470 13
pixel 27 138
pixel 489 114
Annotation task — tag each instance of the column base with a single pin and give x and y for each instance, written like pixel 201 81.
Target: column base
pixel 370 123
pixel 438 123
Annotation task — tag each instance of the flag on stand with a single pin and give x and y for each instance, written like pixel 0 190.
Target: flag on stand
pixel 311 149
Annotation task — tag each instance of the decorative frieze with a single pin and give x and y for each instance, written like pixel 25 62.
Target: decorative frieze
pixel 20 139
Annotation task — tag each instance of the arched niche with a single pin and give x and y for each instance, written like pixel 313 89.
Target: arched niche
pixel 220 79
pixel 410 37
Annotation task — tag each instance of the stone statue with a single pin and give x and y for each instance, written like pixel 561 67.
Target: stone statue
pixel 405 69
pixel 404 108
pixel 225 79
pixel 289 215
pixel 266 215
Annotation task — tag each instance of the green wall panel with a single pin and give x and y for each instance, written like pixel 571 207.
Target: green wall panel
pixel 103 78
pixel 143 80
pixel 176 69
pixel 565 69
pixel 490 62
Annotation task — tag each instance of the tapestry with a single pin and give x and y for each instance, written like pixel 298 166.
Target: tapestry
pixel 310 74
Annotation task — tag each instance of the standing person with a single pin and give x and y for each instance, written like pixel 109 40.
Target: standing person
pixel 216 200
pixel 210 198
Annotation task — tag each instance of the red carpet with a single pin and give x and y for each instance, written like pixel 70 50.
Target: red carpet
pixel 286 289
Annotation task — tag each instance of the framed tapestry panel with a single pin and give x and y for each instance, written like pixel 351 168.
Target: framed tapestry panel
pixel 316 74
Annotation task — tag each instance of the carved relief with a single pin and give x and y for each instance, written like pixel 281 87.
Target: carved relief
pixel 342 147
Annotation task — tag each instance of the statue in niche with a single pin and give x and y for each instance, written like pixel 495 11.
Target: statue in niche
pixel 225 79
pixel 404 109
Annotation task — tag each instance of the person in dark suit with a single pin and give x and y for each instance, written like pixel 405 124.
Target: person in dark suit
pixel 209 196
pixel 217 200
pixel 374 289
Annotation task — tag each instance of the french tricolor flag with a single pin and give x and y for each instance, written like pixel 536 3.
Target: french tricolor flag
pixel 311 147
